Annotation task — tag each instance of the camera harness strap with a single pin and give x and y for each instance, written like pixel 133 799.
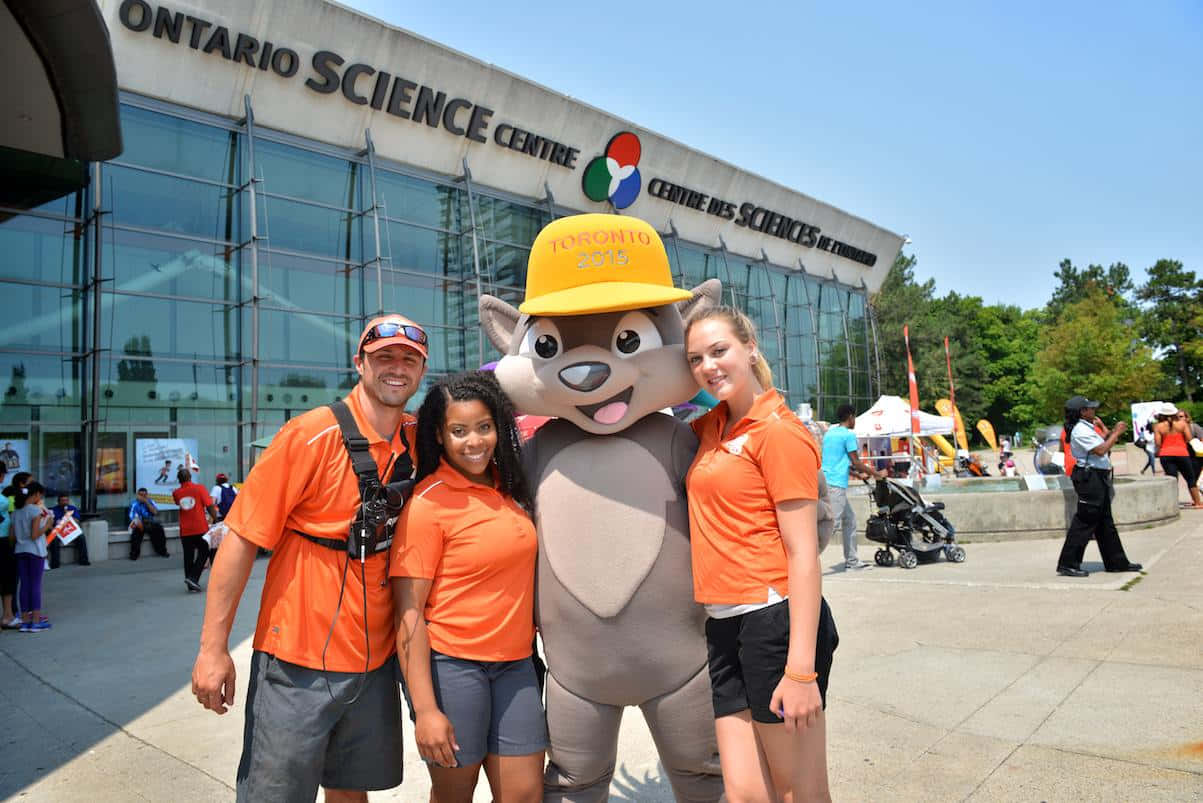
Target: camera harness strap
pixel 364 466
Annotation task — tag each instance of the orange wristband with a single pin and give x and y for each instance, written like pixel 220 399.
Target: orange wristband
pixel 809 677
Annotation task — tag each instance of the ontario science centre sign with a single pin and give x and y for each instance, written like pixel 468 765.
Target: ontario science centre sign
pixel 611 176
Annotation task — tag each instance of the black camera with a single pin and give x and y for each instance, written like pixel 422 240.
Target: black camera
pixel 379 511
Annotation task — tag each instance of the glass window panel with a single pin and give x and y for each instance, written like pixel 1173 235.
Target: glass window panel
pixel 421 250
pixel 305 174
pixel 168 204
pixel 507 221
pixel 35 380
pixel 153 263
pixel 47 250
pixel 177 145
pixel 301 388
pixel 430 302
pixel 296 226
pixel 48 318
pixel 831 327
pixel 132 381
pixel 314 285
pixel 144 328
pixel 304 338
pixel 417 200
pixel 505 264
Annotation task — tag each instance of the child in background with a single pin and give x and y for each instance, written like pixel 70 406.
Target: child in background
pixel 31 521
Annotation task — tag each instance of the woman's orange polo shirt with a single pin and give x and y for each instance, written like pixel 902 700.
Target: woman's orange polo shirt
pixel 479 548
pixel 304 482
pixel 734 486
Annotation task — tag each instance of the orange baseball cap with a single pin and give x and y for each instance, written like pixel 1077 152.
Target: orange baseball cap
pixel 584 264
pixel 389 330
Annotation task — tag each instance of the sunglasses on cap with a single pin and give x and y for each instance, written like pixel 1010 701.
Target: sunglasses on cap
pixel 392 329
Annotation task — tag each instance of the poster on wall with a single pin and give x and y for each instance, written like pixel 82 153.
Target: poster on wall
pixel 15 455
pixel 110 470
pixel 1143 413
pixel 156 462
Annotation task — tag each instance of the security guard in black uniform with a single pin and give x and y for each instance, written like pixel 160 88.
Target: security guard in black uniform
pixel 1092 481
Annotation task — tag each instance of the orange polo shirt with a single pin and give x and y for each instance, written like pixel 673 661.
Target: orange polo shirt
pixel 478 546
pixel 735 485
pixel 304 482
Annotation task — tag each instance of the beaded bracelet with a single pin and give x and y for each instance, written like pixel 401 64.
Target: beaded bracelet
pixel 809 677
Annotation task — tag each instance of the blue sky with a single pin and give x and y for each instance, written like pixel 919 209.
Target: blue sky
pixel 1000 138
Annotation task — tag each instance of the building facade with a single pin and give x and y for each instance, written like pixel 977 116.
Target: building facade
pixel 291 168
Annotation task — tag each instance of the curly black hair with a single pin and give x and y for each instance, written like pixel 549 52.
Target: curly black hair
pixel 479 386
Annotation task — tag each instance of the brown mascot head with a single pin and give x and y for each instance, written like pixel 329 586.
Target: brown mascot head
pixel 599 340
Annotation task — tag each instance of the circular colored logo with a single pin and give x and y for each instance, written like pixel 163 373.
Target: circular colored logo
pixel 615 176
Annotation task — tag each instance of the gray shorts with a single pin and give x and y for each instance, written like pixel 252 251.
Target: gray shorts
pixel 297 737
pixel 494 706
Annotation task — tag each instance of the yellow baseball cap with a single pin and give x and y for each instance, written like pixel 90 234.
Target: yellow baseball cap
pixel 597 263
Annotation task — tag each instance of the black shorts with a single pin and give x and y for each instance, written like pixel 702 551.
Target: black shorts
pixel 747 658
pixel 8 568
pixel 297 737
pixel 1174 465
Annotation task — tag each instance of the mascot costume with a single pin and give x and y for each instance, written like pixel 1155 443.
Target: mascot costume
pixel 599 344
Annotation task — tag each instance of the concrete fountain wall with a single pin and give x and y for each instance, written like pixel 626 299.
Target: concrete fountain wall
pixel 1022 514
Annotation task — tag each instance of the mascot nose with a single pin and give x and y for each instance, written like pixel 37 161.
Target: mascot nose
pixel 585 376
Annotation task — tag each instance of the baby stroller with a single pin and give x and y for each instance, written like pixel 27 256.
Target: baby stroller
pixel 903 521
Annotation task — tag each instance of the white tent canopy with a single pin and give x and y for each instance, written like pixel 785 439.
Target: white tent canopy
pixel 891 417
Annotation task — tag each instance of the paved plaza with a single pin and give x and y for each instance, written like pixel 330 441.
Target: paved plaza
pixel 989 680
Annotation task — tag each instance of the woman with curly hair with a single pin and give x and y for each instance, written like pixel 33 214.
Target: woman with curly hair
pixel 463 570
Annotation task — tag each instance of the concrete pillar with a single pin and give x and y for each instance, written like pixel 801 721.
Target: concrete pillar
pixel 97 533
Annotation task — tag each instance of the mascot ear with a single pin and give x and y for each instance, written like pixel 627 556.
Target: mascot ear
pixel 705 296
pixel 499 319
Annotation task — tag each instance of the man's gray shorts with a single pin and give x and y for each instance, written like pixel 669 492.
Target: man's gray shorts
pixel 494 706
pixel 297 737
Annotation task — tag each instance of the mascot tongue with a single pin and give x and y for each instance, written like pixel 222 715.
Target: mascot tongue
pixel 612 413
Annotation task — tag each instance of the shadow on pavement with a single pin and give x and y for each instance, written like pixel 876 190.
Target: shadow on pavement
pixel 123 641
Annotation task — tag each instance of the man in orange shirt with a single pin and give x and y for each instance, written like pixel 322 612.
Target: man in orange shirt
pixel 194 501
pixel 323 705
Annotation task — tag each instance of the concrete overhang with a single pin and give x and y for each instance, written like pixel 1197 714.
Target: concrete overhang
pixel 59 101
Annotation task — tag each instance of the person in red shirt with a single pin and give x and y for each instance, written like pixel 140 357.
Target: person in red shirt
pixel 194 502
pixel 463 572
pixel 753 520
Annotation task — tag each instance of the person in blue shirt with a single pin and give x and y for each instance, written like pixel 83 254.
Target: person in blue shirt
pixel 840 458
pixel 143 517
pixel 80 543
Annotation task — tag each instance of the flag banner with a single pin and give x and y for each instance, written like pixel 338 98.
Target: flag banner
pixel 914 390
pixel 944 407
pixel 987 430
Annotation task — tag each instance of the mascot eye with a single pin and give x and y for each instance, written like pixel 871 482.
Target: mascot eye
pixel 546 346
pixel 542 339
pixel 636 333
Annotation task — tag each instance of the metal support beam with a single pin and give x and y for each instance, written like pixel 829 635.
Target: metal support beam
pixel 92 428
pixel 839 295
pixel 550 200
pixel 375 208
pixel 768 278
pixel 252 181
pixel 722 250
pixel 467 179
pixel 814 328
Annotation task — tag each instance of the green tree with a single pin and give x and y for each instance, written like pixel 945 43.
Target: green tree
pixel 1091 350
pixel 901 300
pixel 1171 321
pixel 1074 285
